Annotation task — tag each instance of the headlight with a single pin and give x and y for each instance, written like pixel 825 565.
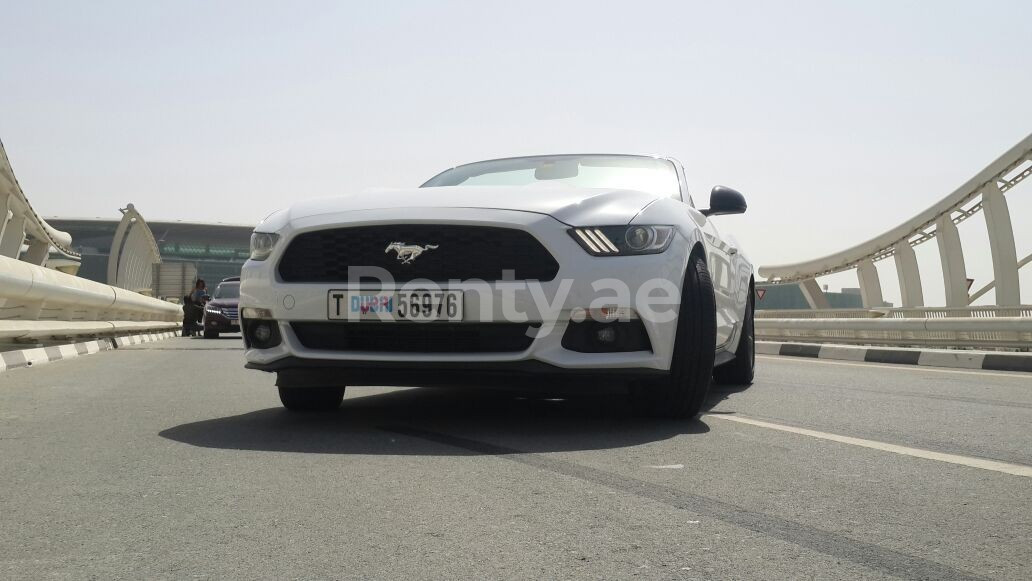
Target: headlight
pixel 624 240
pixel 262 244
pixel 213 310
pixel 255 313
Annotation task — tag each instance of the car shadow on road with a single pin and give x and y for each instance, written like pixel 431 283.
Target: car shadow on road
pixel 425 421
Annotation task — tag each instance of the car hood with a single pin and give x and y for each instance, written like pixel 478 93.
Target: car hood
pixel 574 206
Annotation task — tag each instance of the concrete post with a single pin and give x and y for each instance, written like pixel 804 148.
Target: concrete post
pixel 909 276
pixel 39 251
pixel 870 284
pixel 5 213
pixel 13 236
pixel 1001 244
pixel 951 255
pixel 813 294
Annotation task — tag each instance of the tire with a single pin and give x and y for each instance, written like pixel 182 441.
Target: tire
pixel 740 370
pixel 311 399
pixel 211 334
pixel 682 394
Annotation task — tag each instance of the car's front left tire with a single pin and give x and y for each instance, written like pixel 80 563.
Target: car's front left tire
pixel 311 399
pixel 682 394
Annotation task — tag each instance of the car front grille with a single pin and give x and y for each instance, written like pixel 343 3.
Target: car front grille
pixel 414 337
pixel 230 312
pixel 449 252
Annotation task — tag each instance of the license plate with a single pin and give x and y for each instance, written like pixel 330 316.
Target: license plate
pixel 417 305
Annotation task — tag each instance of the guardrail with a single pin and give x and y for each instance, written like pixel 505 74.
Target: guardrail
pixel 817 314
pixel 41 303
pixel 995 332
pixel 912 313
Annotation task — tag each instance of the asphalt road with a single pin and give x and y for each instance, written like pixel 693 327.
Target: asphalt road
pixel 169 460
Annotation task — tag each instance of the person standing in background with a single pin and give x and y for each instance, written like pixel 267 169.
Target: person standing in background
pixel 199 291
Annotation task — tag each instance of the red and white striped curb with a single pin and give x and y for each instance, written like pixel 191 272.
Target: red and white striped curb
pixel 40 355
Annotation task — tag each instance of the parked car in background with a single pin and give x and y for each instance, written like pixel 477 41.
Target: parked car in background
pixel 220 313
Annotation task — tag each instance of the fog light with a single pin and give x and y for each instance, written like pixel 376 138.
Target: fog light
pixel 262 332
pixel 605 335
pixel 603 314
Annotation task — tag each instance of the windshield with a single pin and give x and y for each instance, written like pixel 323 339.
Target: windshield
pixel 228 290
pixel 646 174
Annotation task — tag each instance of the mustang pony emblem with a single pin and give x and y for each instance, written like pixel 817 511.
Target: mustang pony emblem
pixel 408 252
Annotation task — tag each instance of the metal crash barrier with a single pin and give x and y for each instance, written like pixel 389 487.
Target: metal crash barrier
pixel 957 332
pixel 41 303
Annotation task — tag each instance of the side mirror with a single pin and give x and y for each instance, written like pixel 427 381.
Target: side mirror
pixel 724 200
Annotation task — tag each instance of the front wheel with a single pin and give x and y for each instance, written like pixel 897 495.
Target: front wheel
pixel 311 399
pixel 211 334
pixel 682 394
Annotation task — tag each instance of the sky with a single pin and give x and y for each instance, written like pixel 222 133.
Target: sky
pixel 836 120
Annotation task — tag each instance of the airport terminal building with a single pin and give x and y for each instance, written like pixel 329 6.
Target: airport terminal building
pixel 218 250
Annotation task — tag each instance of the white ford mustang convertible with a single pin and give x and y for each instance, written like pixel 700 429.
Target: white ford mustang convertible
pixel 548 272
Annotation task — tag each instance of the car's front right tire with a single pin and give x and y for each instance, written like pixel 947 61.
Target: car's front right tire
pixel 740 370
pixel 311 399
pixel 683 392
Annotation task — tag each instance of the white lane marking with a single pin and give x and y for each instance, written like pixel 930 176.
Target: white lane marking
pixel 783 358
pixel 994 465
pixel 669 467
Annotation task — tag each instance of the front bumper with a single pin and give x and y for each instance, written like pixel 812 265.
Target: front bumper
pixel 525 374
pixel 582 281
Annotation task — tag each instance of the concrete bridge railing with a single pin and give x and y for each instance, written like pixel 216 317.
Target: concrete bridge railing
pixel 1007 325
pixel 38 303
pixel 955 332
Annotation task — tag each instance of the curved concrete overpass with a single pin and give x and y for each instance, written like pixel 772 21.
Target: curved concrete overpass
pixel 982 193
pixel 19 221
